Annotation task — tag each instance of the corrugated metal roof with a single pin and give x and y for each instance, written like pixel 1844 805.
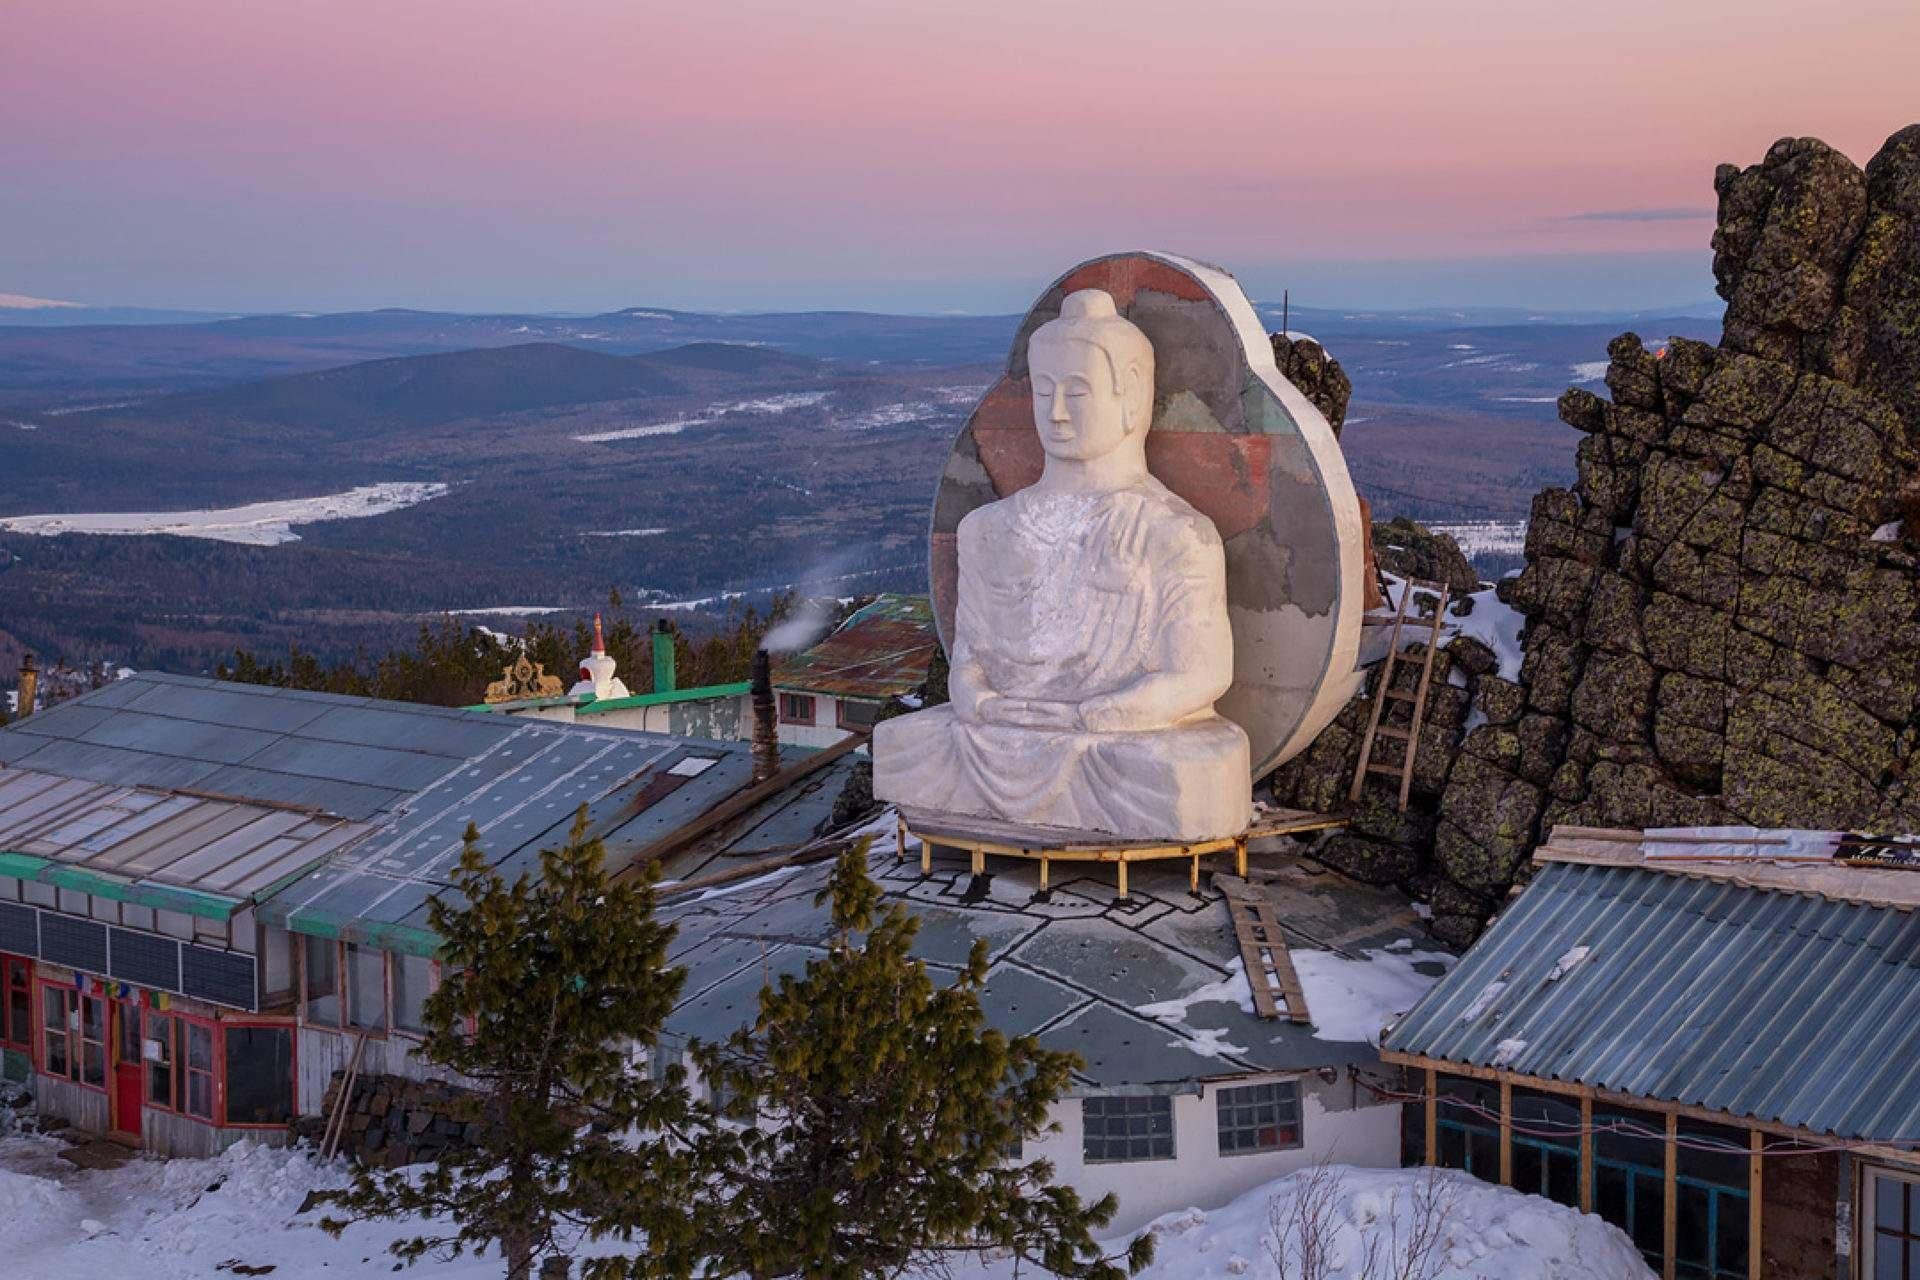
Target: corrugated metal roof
pixel 880 652
pixel 1761 1003
pixel 140 836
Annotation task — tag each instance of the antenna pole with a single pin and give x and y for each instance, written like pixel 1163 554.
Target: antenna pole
pixel 1286 313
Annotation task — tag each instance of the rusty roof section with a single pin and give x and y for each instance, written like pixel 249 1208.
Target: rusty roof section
pixel 881 652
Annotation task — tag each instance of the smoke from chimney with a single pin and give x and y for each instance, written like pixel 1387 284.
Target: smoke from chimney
pixel 766 730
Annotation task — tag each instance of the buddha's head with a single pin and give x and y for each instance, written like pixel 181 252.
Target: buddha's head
pixel 1092 374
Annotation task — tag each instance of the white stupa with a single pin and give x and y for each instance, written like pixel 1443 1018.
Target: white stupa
pixel 596 671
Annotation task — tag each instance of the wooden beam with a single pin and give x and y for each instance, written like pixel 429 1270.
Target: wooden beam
pixel 739 803
pixel 818 852
pixel 1506 1133
pixel 1433 1117
pixel 1671 1225
pixel 1586 1151
pixel 1754 1214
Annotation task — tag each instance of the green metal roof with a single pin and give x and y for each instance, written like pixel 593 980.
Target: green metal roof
pixel 27 866
pixel 701 694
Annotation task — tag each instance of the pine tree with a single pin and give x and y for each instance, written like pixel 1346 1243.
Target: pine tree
pixel 548 982
pixel 882 1120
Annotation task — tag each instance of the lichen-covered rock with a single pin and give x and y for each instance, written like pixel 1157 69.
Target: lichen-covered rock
pixel 1409 550
pixel 1319 377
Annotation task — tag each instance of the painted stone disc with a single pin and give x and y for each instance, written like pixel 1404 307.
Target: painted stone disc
pixel 1243 446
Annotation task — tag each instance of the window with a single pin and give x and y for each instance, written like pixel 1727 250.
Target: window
pixel 1546 1146
pixel 858 715
pixel 660 1062
pixel 158 1050
pixel 74 1035
pixel 796 708
pixel 199 1059
pixel 259 1074
pixel 321 969
pixel 1468 1128
pixel 412 981
pixel 1259 1117
pixel 16 1003
pixel 1710 1202
pixel 1132 1128
pixel 1893 1235
pixel 366 988
pixel 1630 1177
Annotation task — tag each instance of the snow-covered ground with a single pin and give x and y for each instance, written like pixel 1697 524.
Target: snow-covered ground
pixel 259 524
pixel 170 1220
pixel 1481 537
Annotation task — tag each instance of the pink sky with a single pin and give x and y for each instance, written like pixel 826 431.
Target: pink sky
pixel 581 154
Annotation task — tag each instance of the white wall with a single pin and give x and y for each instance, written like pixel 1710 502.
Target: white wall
pixel 1332 1129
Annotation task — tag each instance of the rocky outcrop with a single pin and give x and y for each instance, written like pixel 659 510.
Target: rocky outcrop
pixel 1409 550
pixel 1306 364
pixel 1723 613
pixel 1723 618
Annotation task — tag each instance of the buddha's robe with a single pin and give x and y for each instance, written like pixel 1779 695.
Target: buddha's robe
pixel 1090 643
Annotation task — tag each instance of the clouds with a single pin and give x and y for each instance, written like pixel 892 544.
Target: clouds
pixel 1641 215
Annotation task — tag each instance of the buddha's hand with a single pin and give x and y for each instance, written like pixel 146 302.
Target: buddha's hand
pixel 1034 713
pixel 1106 714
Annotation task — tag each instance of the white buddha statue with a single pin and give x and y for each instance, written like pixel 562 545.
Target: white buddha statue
pixel 1090 636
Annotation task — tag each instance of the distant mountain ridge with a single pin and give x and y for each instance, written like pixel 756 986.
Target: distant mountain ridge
pixel 417 391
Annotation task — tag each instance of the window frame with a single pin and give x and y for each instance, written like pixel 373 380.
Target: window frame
pixel 176 1041
pixel 842 721
pixel 343 989
pixel 19 1039
pixel 393 1010
pixel 72 1000
pixel 1236 1102
pixel 1135 1111
pixel 1869 1214
pixel 811 703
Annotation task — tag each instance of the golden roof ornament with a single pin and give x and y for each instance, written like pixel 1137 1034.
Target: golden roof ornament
pixel 524 679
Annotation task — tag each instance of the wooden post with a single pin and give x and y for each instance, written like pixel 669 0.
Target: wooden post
pixel 1123 877
pixel 979 860
pixel 1433 1117
pixel 1586 1151
pixel 1754 1214
pixel 926 856
pixel 900 839
pixel 1669 1241
pixel 1506 1133
pixel 1240 857
pixel 1193 878
pixel 1043 875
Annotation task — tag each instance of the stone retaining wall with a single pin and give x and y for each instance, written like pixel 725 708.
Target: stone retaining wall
pixel 392 1121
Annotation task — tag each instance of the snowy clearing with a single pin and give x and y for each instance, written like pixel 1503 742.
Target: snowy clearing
pixel 260 524
pixel 623 533
pixel 170 1220
pixel 507 611
pixel 765 406
pixel 1590 370
pixel 1481 537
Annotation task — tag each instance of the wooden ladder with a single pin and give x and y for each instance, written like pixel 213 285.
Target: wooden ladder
pixel 337 1122
pixel 1406 733
pixel 1263 951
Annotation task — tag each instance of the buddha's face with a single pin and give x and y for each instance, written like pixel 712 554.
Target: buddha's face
pixel 1076 408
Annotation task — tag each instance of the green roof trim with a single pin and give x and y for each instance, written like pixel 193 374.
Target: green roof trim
pixel 27 866
pixel 405 938
pixel 705 693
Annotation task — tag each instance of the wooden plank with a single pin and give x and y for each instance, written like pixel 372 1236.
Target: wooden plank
pixel 1282 961
pixel 1420 699
pixel 1672 1224
pixel 1380 697
pixel 1506 1133
pixel 1433 1117
pixel 1250 959
pixel 738 804
pixel 1586 1151
pixel 1755 1217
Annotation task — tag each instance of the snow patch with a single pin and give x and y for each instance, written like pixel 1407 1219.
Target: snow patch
pixel 766 406
pixel 623 533
pixel 259 524
pixel 1497 625
pixel 1590 370
pixel 1351 1000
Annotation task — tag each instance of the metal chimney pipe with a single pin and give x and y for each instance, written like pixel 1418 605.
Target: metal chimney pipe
pixel 766 729
pixel 29 687
pixel 665 677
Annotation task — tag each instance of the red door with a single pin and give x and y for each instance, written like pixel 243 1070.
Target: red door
pixel 127 1071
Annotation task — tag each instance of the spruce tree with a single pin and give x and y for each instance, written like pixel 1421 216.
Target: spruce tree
pixel 881 1120
pixel 547 984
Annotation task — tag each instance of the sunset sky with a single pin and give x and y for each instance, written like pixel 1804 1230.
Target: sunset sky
pixel 900 154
